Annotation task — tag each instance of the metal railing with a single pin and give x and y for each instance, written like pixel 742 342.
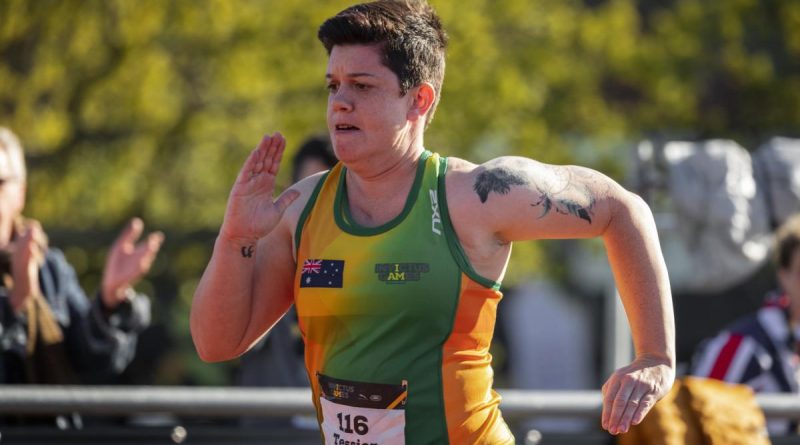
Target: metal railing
pixel 228 402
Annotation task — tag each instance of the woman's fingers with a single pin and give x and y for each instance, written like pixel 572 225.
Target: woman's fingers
pixel 628 396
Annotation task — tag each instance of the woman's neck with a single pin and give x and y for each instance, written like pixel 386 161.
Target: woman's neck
pixel 378 196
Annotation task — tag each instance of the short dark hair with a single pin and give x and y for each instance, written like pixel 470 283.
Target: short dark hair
pixel 318 147
pixel 787 241
pixel 410 33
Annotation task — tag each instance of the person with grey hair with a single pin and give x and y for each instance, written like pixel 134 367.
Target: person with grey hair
pixel 50 332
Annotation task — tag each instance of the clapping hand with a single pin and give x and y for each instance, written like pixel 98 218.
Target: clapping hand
pixel 128 261
pixel 27 255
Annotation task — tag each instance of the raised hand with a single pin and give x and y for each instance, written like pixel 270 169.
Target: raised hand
pixel 252 213
pixel 27 255
pixel 632 391
pixel 128 261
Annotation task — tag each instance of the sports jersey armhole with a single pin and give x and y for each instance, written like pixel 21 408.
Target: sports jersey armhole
pixel 452 238
pixel 306 210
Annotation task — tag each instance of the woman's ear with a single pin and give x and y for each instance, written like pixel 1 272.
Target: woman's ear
pixel 424 96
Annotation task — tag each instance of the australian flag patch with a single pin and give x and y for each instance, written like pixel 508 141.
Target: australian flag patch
pixel 322 273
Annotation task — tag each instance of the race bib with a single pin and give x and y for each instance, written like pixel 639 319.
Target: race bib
pixel 359 413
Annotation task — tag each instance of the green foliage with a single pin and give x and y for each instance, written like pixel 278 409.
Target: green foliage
pixel 149 108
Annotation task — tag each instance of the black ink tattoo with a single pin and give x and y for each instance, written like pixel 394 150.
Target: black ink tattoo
pixel 546 204
pixel 575 198
pixel 573 208
pixel 567 206
pixel 247 251
pixel 498 180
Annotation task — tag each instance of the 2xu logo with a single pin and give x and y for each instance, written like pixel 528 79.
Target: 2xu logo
pixel 435 217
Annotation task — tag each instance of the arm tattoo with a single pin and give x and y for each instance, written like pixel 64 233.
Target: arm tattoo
pixel 247 251
pixel 498 180
pixel 573 197
pixel 564 206
pixel 564 201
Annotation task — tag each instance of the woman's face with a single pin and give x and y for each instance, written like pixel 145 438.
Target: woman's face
pixel 366 113
pixel 12 196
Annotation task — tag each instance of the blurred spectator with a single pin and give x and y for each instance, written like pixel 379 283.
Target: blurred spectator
pixel 50 332
pixel 277 359
pixel 761 349
pixel 313 156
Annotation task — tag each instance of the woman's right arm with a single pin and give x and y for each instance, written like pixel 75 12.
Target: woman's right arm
pixel 231 308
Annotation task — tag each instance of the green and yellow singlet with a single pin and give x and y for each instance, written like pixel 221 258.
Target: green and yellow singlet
pixel 396 323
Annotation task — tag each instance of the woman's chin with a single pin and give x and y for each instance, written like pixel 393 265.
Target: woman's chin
pixel 346 151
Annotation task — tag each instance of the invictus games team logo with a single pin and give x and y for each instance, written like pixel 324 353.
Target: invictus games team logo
pixel 399 273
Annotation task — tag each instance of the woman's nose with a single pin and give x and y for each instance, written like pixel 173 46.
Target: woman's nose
pixel 340 101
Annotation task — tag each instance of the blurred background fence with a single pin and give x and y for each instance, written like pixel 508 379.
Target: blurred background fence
pixel 174 413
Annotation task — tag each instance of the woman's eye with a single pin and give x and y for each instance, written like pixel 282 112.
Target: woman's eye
pixel 360 86
pixel 332 87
